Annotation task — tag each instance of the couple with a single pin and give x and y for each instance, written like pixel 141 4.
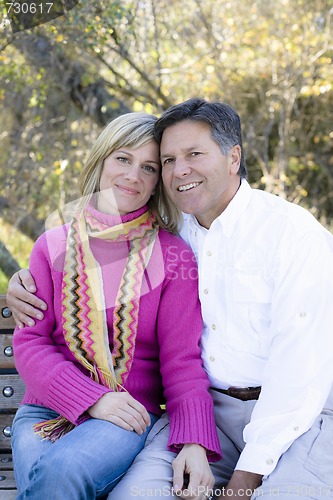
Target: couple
pixel 265 286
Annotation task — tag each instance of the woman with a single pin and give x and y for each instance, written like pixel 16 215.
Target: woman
pixel 117 337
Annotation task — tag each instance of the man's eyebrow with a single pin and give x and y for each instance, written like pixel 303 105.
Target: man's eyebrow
pixel 185 150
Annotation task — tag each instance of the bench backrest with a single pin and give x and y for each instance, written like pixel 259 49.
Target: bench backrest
pixel 11 386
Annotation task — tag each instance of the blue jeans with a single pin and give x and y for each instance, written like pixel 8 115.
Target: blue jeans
pixel 84 464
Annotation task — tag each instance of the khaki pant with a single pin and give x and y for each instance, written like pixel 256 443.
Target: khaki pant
pixel 305 470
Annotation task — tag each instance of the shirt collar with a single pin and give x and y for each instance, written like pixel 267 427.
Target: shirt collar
pixel 230 216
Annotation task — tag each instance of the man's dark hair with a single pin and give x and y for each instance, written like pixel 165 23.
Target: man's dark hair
pixel 224 122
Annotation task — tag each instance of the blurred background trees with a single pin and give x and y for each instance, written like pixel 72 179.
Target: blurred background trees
pixel 61 82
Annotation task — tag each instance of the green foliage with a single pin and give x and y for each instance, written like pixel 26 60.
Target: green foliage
pixel 271 60
pixel 19 245
pixel 3 283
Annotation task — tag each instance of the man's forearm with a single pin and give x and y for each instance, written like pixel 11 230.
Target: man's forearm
pixel 241 485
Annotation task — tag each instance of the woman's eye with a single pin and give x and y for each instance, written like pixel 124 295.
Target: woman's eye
pixel 123 159
pixel 149 168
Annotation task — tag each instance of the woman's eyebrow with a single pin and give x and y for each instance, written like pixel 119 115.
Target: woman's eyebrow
pixel 130 154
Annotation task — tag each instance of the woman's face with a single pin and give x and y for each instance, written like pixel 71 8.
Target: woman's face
pixel 128 179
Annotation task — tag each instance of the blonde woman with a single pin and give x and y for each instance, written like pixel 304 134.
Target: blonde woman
pixel 120 335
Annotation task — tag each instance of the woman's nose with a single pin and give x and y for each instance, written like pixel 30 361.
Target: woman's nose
pixel 132 173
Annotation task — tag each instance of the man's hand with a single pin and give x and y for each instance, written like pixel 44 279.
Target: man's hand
pixel 123 410
pixel 21 302
pixel 241 485
pixel 192 461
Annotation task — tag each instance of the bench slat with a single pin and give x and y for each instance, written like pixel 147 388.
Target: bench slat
pixel 6 350
pixel 11 391
pixel 7 482
pixel 6 320
pixel 6 420
pixel 6 461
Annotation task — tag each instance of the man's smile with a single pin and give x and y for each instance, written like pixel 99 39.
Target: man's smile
pixel 187 187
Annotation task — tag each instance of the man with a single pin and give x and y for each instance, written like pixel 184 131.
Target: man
pixel 266 288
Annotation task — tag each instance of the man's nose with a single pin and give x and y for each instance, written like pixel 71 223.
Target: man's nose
pixel 182 167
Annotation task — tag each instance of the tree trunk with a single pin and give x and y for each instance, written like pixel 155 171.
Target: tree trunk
pixel 7 262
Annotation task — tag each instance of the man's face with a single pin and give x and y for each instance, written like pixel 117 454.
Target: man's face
pixel 198 177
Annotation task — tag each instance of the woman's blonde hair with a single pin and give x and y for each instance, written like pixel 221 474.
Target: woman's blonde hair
pixel 129 130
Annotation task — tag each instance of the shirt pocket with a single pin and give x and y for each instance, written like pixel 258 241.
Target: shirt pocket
pixel 252 297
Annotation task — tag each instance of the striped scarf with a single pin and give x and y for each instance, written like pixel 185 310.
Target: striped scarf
pixel 83 308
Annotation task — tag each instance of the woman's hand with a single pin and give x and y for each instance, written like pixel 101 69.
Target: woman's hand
pixel 192 461
pixel 21 299
pixel 123 410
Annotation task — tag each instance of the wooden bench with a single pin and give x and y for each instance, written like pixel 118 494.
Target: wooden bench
pixel 11 393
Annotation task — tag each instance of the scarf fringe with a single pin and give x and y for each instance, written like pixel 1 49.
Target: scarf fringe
pixel 51 430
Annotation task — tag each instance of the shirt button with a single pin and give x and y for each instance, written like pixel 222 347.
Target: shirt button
pixel 213 326
pixel 206 291
pixel 269 461
pixel 296 428
pixel 209 253
pixel 212 358
pixel 302 314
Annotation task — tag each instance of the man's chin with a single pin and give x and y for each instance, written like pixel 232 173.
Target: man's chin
pixel 187 208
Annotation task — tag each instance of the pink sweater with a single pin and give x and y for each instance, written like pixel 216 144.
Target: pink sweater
pixel 167 362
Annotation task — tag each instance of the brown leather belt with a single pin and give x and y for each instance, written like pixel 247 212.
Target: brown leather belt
pixel 242 393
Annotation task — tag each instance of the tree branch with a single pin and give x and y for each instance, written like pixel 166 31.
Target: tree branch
pixel 93 98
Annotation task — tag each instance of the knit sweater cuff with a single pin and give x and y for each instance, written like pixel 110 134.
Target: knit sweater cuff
pixel 192 421
pixel 71 393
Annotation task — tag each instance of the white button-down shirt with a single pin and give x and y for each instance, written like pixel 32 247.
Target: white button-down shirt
pixel 266 289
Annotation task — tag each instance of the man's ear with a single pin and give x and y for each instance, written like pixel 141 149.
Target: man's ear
pixel 235 154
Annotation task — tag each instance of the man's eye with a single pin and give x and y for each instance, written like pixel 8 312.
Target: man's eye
pixel 167 160
pixel 195 153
